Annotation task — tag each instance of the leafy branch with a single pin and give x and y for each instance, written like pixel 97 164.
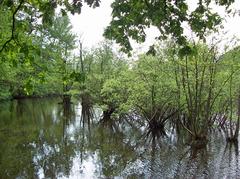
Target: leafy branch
pixel 13 26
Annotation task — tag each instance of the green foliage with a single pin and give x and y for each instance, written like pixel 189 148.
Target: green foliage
pixel 115 93
pixel 153 83
pixel 191 82
pixel 35 63
pixel 229 67
pixel 100 65
pixel 131 18
pixel 36 59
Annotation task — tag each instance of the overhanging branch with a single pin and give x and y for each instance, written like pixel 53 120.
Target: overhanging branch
pixel 13 26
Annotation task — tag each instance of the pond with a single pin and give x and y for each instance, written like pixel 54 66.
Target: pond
pixel 41 139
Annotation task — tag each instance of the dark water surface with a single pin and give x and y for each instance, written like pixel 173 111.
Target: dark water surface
pixel 40 139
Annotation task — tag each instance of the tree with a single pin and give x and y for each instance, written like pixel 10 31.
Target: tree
pixel 229 99
pixel 131 18
pixel 33 11
pixel 35 63
pixel 153 93
pixel 61 41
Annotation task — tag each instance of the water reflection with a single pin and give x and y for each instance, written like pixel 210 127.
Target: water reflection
pixel 40 138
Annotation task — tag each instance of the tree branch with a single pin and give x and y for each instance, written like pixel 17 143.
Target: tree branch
pixel 13 26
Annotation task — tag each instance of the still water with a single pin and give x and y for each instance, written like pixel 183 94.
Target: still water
pixel 41 139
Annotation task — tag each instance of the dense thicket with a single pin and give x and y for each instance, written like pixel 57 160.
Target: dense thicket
pixel 195 91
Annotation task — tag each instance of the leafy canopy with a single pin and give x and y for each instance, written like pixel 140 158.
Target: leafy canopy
pixel 130 19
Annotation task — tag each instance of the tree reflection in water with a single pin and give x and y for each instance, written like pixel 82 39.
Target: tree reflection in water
pixel 41 139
